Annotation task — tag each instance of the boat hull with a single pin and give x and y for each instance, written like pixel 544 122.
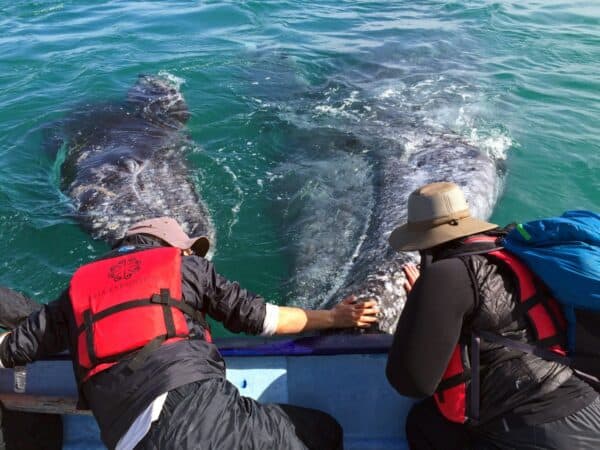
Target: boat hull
pixel 341 375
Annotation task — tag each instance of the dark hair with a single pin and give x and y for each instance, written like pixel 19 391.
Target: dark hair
pixel 449 248
pixel 141 240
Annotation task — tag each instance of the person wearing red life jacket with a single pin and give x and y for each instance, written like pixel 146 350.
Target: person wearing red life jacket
pixel 450 346
pixel 134 322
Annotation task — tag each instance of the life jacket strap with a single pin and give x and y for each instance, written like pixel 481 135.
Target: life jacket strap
pixel 88 322
pixel 452 381
pixel 524 347
pixel 476 336
pixel 163 299
pixel 90 318
pixel 475 388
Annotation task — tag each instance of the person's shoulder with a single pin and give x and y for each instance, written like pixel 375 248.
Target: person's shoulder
pixel 444 271
pixel 195 262
pixel 450 277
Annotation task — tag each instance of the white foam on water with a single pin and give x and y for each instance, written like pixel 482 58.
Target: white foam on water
pixel 235 209
pixel 174 80
pixel 445 106
pixel 495 142
pixel 388 93
pixel 50 9
pixel 436 110
pixel 344 108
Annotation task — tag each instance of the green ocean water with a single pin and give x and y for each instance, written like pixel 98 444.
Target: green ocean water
pixel 278 84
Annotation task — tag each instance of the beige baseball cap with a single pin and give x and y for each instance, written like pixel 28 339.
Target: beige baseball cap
pixel 171 232
pixel 437 213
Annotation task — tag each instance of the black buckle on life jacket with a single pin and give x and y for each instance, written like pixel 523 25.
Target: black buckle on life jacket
pixel 140 357
pixel 166 300
pixel 163 299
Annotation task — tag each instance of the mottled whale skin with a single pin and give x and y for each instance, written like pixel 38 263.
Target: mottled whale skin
pixel 376 271
pixel 342 233
pixel 125 162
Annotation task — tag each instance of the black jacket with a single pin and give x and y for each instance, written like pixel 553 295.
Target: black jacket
pixel 117 396
pixel 442 308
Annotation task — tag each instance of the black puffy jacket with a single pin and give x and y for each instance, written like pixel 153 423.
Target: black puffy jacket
pixel 118 395
pixel 508 378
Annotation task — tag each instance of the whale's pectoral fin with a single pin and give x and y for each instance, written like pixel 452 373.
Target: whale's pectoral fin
pixel 52 139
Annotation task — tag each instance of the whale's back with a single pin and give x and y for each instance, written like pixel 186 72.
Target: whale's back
pixel 125 162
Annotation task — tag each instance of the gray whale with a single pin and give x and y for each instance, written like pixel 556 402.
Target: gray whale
pixel 341 229
pixel 376 270
pixel 125 162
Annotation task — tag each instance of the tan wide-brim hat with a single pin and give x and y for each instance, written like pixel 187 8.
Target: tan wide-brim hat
pixel 171 232
pixel 437 213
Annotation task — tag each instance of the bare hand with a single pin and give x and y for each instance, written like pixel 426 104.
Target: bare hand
pixel 412 273
pixel 352 313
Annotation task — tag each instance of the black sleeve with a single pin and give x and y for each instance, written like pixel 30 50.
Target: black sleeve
pixel 238 309
pixel 15 307
pixel 43 333
pixel 429 328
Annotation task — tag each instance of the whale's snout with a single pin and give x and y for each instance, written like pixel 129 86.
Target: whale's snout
pixel 159 100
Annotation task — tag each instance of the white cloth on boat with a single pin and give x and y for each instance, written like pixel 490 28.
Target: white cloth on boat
pixel 140 426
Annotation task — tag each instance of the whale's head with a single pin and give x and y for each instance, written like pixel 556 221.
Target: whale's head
pixel 159 101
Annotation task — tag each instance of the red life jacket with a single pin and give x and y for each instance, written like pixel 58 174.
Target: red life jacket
pixel 457 395
pixel 128 303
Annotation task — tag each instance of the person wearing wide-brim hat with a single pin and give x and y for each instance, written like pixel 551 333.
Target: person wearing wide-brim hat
pixel 519 400
pixel 437 213
pixel 134 322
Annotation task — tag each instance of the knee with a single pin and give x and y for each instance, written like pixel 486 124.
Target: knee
pixel 412 423
pixel 317 429
pixel 332 429
pixel 419 415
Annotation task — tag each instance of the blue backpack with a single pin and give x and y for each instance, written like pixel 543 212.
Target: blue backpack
pixel 564 252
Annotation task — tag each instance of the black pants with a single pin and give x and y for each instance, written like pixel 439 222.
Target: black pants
pixel 30 431
pixel 427 429
pixel 213 415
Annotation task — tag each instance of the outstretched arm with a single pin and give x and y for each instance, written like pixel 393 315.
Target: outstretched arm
pixel 43 333
pixel 241 311
pixel 347 314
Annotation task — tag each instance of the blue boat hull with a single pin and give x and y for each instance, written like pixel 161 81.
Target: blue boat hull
pixel 342 375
